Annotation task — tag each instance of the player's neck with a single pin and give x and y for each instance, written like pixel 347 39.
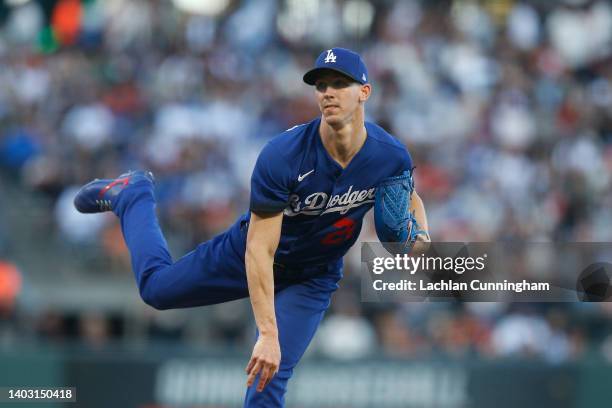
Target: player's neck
pixel 344 142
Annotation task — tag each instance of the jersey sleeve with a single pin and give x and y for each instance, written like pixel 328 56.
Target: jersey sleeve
pixel 404 162
pixel 270 182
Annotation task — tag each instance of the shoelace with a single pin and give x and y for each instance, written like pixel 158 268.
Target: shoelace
pixel 104 205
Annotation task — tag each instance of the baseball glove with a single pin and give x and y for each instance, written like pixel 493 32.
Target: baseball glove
pixel 394 221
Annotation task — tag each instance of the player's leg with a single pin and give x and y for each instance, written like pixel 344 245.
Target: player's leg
pixel 209 274
pixel 299 310
pixel 212 273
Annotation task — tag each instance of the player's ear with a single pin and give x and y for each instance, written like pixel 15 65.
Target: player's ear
pixel 364 92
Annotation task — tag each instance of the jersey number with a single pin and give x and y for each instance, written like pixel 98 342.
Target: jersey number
pixel 345 229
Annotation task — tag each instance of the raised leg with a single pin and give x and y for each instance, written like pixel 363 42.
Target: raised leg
pixel 212 273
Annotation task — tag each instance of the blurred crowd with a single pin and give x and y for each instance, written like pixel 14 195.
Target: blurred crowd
pixel 505 106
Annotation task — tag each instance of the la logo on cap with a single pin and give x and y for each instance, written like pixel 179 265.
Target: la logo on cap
pixel 330 57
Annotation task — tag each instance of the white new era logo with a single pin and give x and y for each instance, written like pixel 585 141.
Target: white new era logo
pixel 330 57
pixel 363 78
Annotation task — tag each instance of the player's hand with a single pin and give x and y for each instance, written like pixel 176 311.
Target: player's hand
pixel 421 245
pixel 265 359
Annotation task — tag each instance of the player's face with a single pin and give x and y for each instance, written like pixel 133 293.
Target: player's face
pixel 338 97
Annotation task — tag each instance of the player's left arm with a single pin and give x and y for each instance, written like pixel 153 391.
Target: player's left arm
pixel 399 213
pixel 418 209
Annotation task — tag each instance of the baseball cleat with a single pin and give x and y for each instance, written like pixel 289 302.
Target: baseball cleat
pixel 101 195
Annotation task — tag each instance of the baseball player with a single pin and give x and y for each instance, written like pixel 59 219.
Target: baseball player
pixel 310 189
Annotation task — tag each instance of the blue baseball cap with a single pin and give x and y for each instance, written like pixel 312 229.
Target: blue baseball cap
pixel 341 60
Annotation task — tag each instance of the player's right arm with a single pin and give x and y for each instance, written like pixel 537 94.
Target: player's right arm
pixel 262 241
pixel 270 188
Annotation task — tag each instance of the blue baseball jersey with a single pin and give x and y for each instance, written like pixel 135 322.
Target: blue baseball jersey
pixel 323 203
